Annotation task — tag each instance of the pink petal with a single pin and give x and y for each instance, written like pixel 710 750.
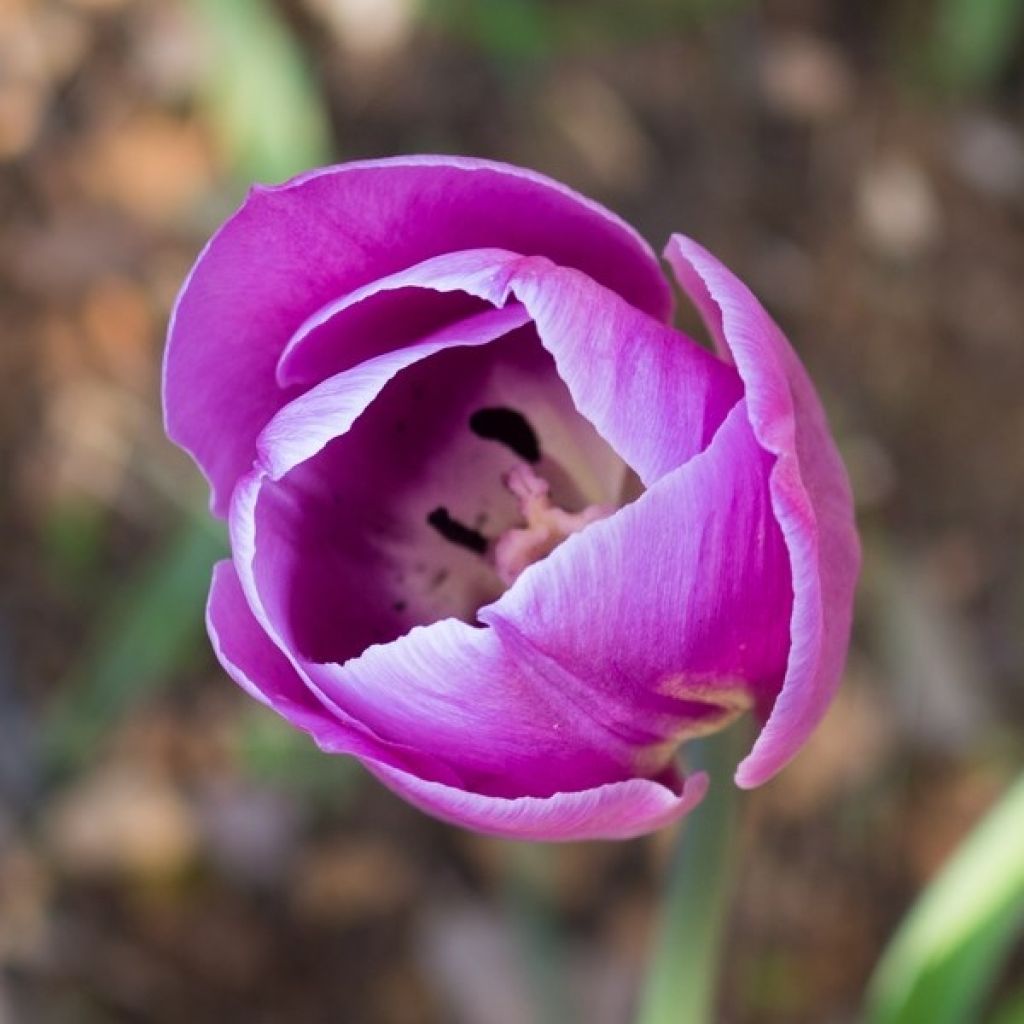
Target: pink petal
pixel 563 694
pixel 612 810
pixel 249 656
pixel 652 393
pixel 396 310
pixel 292 248
pixel 304 426
pixel 617 810
pixel 349 516
pixel 810 494
pixel 672 614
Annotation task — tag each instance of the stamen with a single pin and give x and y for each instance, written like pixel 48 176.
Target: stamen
pixel 510 428
pixel 455 532
pixel 546 527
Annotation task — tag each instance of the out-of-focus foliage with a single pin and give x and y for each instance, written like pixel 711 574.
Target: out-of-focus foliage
pixel 154 624
pixel 1011 1012
pixel 973 40
pixel 263 105
pixel 538 28
pixel 946 954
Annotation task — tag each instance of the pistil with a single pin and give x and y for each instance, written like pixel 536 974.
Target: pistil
pixel 546 527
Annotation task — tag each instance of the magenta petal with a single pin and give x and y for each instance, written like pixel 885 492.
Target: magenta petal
pixel 396 310
pixel 292 248
pixel 617 810
pixel 651 392
pixel 613 810
pixel 304 427
pixel 673 614
pixel 810 494
pixel 248 655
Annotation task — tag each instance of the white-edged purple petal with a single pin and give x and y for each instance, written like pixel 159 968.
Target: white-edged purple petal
pixel 616 810
pixel 292 248
pixel 810 495
pixel 673 614
pixel 396 310
pixel 655 395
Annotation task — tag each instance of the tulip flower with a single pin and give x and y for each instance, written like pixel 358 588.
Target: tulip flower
pixel 498 529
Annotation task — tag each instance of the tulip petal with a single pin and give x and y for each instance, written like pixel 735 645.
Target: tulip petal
pixel 304 426
pixel 810 494
pixel 292 248
pixel 396 310
pixel 487 711
pixel 359 467
pixel 654 394
pixel 673 613
pixel 561 695
pixel 249 657
pixel 617 810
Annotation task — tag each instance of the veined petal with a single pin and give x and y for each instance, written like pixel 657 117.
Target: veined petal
pixel 249 657
pixel 309 422
pixel 504 722
pixel 810 494
pixel 616 810
pixel 673 614
pixel 292 248
pixel 654 394
pixel 396 310
pixel 610 811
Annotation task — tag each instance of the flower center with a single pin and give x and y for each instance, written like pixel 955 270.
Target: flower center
pixel 546 527
pixel 547 524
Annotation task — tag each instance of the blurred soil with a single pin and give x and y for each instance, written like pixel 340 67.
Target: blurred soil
pixel 179 857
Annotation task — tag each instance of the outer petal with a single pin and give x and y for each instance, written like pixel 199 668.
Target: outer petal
pixel 673 613
pixel 249 656
pixel 810 494
pixel 618 810
pixel 613 810
pixel 397 310
pixel 291 248
pixel 564 694
pixel 655 395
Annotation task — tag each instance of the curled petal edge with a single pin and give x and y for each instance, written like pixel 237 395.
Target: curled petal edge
pixel 810 494
pixel 616 810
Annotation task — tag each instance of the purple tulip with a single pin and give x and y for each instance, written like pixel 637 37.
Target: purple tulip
pixel 498 529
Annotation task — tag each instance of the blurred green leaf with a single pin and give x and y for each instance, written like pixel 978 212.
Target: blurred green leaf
pixel 153 626
pixel 501 28
pixel 946 954
pixel 1010 1012
pixel 261 98
pixel 533 29
pixel 973 40
pixel 72 538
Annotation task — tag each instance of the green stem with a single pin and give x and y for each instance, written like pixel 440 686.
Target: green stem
pixel 683 979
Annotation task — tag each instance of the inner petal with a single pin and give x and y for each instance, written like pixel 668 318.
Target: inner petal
pixel 395 523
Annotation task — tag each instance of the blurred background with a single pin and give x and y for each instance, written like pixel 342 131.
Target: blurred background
pixel 170 852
